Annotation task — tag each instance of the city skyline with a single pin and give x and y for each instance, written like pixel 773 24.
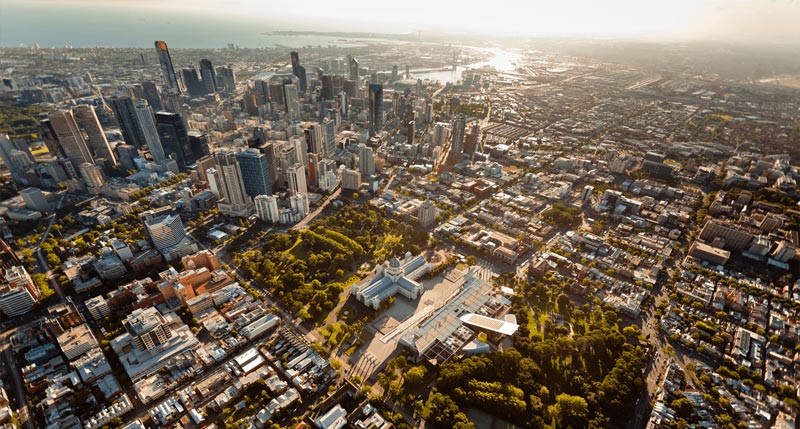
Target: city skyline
pixel 243 21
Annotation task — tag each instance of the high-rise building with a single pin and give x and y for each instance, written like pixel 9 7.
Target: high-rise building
pixel 270 150
pixel 327 87
pixel 291 101
pixel 366 160
pixel 126 154
pixel 472 143
pixel 459 128
pixel 92 175
pixel 235 201
pixel 375 108
pixel 296 176
pixel 315 139
pixel 125 112
pixel 351 179
pixel 165 230
pixel 394 73
pixel 166 65
pixel 174 139
pixel 427 213
pixel 300 203
pixel 209 76
pixel 299 71
pixel 192 82
pixel 267 208
pixel 17 158
pixel 326 175
pixel 227 77
pixel 148 328
pixel 439 134
pixel 34 199
pixel 198 142
pixel 69 137
pixel 98 144
pixel 255 172
pixel 151 95
pixel 146 123
pixel 18 293
pixel 215 182
pixel 50 138
pixel 354 70
pixel 329 131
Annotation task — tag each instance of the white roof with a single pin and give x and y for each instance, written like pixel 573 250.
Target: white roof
pixel 489 324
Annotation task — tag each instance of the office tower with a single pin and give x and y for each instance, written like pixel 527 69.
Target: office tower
pixel 338 83
pixel 192 82
pixel 327 87
pixel 174 139
pixel 296 176
pixel 329 132
pixel 300 203
pixel 165 230
pixel 315 139
pixel 351 179
pixel 366 160
pixel 209 76
pixel 350 88
pixel 34 199
pixel 291 101
pixel 427 213
pixel 214 182
pixel 287 158
pixel 270 150
pixel 410 130
pixel 126 154
pixel 166 65
pixel 301 149
pixel 125 112
pixel 276 92
pixel 98 144
pixel 92 175
pixel 69 137
pixel 326 175
pixel 227 77
pixel 408 71
pixel 173 102
pixel 18 293
pixel 148 328
pixel 439 134
pixel 354 71
pixel 313 167
pixel 236 202
pixel 50 138
pixel 147 126
pixel 261 89
pixel 299 71
pixel 267 208
pixel 255 172
pixel 394 73
pixel 198 142
pixel 375 108
pixel 343 103
pixel 459 128
pixel 152 96
pixel 17 158
pixel 472 143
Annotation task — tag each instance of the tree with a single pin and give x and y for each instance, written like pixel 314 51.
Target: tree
pixel 683 407
pixel 415 375
pixel 569 411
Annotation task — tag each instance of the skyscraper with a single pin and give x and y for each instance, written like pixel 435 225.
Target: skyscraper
pixel 459 128
pixel 366 160
pixel 192 82
pixel 17 158
pixel 394 73
pixel 227 78
pixel 267 208
pixel 144 119
pixel 209 76
pixel 255 172
pixel 354 70
pixel 315 140
pixel 92 175
pixel 125 112
pixel 327 87
pixel 174 139
pixel 69 137
pixel 291 101
pixel 270 150
pixel 236 202
pixel 296 176
pixel 329 131
pixel 299 71
pixel 18 293
pixel 375 108
pixel 98 144
pixel 151 95
pixel 166 65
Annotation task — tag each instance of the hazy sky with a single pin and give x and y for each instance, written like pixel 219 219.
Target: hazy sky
pixel 776 20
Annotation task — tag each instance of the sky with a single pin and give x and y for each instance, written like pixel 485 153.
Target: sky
pixel 760 20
